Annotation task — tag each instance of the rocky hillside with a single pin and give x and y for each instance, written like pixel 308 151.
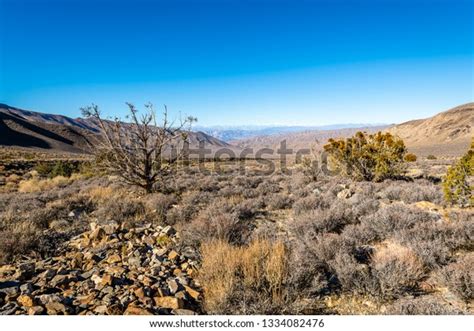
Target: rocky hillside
pixel 39 131
pixel 107 270
pixel 448 133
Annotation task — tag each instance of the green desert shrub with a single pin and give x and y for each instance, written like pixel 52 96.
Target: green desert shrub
pixel 431 157
pixel 370 157
pixel 410 157
pixel 59 168
pixel 456 186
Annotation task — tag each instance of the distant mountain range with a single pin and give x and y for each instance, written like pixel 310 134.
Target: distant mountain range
pixel 448 133
pixel 232 133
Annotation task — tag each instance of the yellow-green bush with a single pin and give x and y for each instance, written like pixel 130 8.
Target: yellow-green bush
pixel 371 157
pixel 410 157
pixel 456 186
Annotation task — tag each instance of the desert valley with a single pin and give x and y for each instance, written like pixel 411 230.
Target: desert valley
pixel 390 232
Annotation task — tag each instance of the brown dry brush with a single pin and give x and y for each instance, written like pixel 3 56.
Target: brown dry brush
pixel 143 151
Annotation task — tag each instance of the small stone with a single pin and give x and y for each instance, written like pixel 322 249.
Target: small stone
pixel 9 309
pixel 60 280
pixel 183 312
pixel 107 280
pixel 345 194
pixel 10 291
pixel 101 310
pixel 96 279
pixel 97 235
pixel 169 302
pixel 134 262
pixel 134 309
pixel 114 259
pixel 168 230
pixel 26 288
pixel 55 308
pixel 86 299
pixel 36 310
pixel 139 293
pixel 115 309
pixel 111 228
pixel 173 286
pixel 192 292
pixel 160 251
pixel 48 298
pixel 173 255
pixel 25 300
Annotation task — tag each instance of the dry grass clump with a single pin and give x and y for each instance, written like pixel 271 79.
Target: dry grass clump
pixel 247 279
pixel 101 194
pixel 38 185
pixel 459 277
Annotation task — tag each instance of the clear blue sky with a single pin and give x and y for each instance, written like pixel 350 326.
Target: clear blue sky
pixel 240 62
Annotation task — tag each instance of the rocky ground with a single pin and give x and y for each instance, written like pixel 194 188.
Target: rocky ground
pixel 107 270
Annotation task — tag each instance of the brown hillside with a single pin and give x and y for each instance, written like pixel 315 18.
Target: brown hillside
pixel 446 134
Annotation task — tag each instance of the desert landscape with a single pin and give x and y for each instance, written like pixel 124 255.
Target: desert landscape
pixel 236 164
pixel 235 236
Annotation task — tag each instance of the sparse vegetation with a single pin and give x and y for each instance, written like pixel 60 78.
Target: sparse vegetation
pixel 268 244
pixel 457 185
pixel 368 156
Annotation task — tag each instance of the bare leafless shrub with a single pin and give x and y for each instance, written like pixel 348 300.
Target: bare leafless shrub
pixel 208 184
pixel 436 243
pixel 189 206
pixel 143 151
pixel 247 209
pixel 311 274
pixel 297 182
pixel 410 192
pixel 424 305
pixel 18 240
pixel 333 219
pixel 278 201
pixel 363 206
pixel 218 221
pixel 397 270
pixel 459 277
pixel 387 220
pixel 158 204
pixel 268 187
pixel 247 182
pixel 229 191
pixel 353 277
pixel 310 203
pixel 122 211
